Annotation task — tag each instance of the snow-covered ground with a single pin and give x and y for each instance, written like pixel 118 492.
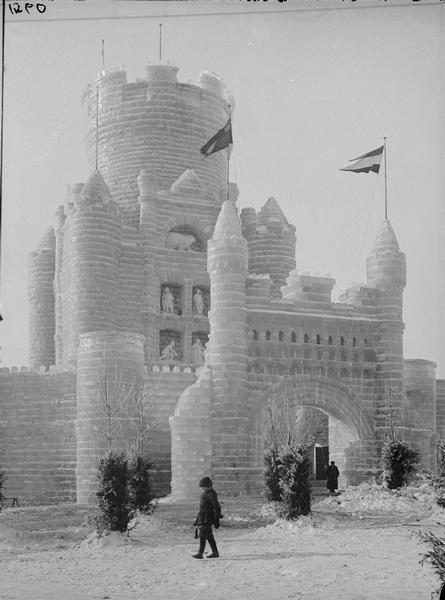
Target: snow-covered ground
pixel 360 545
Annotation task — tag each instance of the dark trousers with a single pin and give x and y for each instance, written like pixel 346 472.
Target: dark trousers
pixel 206 534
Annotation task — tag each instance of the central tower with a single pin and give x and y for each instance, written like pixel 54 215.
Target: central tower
pixel 156 124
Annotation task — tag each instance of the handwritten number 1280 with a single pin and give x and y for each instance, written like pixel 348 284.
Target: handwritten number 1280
pixel 15 8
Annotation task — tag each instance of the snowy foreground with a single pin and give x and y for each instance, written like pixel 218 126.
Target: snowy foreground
pixel 360 545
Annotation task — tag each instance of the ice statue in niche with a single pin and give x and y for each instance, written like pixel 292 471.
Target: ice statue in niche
pixel 168 301
pixel 170 353
pixel 198 352
pixel 198 302
pixel 180 241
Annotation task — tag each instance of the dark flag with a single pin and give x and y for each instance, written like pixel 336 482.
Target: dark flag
pixel 366 162
pixel 219 141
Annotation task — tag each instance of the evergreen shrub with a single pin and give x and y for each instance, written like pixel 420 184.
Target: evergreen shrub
pixel 112 496
pixel 440 458
pixel 139 497
pixel 437 478
pixel 2 481
pixel 295 484
pixel 399 462
pixel 435 555
pixel 272 475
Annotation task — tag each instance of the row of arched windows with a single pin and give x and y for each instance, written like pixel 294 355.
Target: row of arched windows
pixel 274 368
pixel 306 338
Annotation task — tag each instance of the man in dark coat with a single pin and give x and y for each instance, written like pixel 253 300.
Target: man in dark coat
pixel 209 514
pixel 332 482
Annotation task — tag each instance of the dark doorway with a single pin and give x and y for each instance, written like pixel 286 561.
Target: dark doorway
pixel 321 461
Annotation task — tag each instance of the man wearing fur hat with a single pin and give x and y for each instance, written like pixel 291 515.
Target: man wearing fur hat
pixel 209 514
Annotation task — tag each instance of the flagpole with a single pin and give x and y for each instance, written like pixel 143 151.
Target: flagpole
pixel 386 184
pixel 228 156
pixel 160 42
pixel 103 57
pixel 97 108
pixel 97 126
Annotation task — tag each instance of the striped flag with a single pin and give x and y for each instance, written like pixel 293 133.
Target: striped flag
pixel 366 162
pixel 219 141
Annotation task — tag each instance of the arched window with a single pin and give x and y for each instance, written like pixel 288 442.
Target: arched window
pixel 354 342
pixel 330 340
pixel 342 341
pixel 186 237
pixel 255 334
pixel 280 336
pixel 318 339
pixel 306 338
pixel 267 335
pixel 293 337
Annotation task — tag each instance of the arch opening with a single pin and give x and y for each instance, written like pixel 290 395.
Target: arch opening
pixel 323 413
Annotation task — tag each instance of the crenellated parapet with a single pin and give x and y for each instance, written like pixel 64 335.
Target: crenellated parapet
pixel 158 124
pixel 307 288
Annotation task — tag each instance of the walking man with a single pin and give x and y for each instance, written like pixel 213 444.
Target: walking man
pixel 209 514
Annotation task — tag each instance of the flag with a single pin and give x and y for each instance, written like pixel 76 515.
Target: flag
pixel 366 162
pixel 219 141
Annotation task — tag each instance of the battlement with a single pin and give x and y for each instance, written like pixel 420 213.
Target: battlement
pixel 308 287
pixel 360 295
pixel 41 370
pixel 162 367
pixel 156 75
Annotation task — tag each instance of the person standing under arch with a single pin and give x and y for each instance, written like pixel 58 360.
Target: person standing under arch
pixel 332 482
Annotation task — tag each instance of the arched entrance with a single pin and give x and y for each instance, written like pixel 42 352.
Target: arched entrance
pixel 351 434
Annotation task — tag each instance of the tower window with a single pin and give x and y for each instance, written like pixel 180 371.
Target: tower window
pixel 255 334
pixel 267 335
pixel 365 341
pixel 306 338
pixel 280 336
pixel 330 340
pixel 318 339
pixel 186 237
pixel 342 341
pixel 354 342
pixel 293 337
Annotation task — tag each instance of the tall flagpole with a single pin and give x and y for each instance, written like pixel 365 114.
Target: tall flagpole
pixel 103 57
pixel 386 184
pixel 97 109
pixel 97 126
pixel 160 42
pixel 228 154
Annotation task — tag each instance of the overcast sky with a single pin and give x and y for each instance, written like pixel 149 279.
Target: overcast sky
pixel 313 88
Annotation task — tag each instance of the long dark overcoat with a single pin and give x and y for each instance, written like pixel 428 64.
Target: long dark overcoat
pixel 333 473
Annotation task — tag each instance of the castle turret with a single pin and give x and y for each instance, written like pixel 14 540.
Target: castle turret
pixel 41 267
pixel 386 271
pixel 91 249
pixel 271 242
pixel 228 352
pixel 158 124
pixel 110 371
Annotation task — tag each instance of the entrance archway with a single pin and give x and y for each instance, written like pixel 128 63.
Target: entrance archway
pixel 351 433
